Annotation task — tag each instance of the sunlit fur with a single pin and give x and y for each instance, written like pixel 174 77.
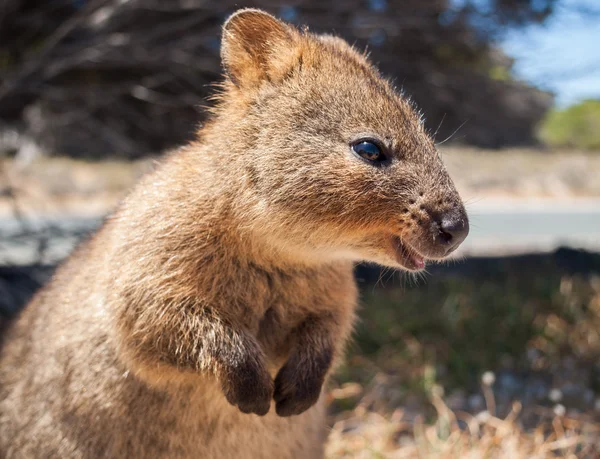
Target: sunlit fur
pixel 234 257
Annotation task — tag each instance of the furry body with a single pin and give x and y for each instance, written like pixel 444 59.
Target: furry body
pixel 203 318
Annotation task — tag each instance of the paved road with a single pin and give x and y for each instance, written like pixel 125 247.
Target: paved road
pixel 530 228
pixel 46 241
pixel 494 230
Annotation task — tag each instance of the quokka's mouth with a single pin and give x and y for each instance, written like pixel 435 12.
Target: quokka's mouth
pixel 406 256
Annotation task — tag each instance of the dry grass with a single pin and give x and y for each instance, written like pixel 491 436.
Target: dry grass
pixel 526 319
pixel 365 433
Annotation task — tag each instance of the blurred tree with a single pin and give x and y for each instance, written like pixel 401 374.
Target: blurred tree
pixel 125 77
pixel 576 126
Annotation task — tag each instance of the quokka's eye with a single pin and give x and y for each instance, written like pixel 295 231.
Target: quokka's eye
pixel 369 150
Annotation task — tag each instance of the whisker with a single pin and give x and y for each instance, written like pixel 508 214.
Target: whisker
pixel 452 135
pixel 439 126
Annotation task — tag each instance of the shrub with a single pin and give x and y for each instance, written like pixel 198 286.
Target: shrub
pixel 575 126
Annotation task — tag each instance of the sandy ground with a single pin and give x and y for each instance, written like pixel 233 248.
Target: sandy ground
pixel 485 179
pixel 535 175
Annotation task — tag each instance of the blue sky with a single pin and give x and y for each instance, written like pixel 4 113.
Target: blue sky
pixel 563 55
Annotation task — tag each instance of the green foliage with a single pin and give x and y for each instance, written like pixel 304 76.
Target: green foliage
pixel 577 126
pixel 453 328
pixel 500 73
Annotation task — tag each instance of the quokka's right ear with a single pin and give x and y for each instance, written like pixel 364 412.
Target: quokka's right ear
pixel 256 47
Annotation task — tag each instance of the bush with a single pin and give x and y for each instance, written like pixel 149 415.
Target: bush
pixel 576 126
pixel 97 78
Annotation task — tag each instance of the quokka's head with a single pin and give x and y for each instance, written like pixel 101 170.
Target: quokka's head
pixel 338 163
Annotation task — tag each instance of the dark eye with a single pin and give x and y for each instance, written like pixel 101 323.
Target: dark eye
pixel 368 150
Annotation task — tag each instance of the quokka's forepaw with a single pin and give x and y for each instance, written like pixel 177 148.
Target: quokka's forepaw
pixel 298 384
pixel 250 388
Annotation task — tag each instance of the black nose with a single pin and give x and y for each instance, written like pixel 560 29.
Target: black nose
pixel 452 229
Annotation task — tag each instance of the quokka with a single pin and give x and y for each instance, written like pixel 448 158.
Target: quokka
pixel 203 318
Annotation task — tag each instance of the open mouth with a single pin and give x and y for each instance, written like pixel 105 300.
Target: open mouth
pixel 407 256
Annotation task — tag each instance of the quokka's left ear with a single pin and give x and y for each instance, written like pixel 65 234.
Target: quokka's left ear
pixel 257 46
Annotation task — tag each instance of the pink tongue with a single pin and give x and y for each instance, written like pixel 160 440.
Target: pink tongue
pixel 418 261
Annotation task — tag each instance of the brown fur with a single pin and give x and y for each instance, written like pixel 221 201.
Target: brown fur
pixel 203 318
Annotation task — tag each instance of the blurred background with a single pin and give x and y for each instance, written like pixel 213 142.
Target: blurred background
pixel 493 354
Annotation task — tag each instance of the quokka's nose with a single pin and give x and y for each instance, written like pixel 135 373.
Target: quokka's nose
pixel 453 228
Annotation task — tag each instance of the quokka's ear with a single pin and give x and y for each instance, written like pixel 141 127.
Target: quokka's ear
pixel 256 46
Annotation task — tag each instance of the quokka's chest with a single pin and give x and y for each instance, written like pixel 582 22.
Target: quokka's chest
pixel 292 300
